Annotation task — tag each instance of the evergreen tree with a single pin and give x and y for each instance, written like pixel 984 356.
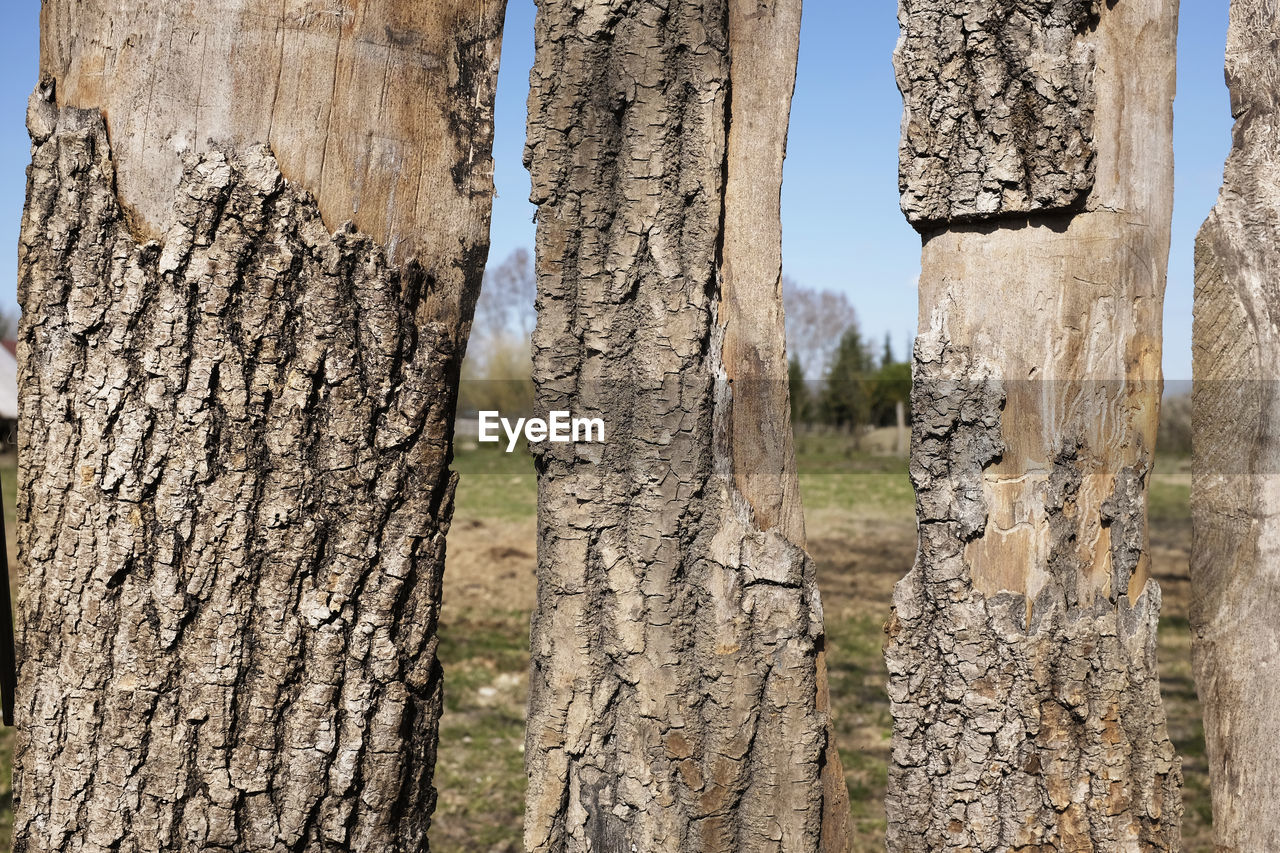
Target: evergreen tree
pixel 798 390
pixel 891 385
pixel 846 399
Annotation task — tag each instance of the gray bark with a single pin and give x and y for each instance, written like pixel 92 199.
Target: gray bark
pixel 999 107
pixel 678 693
pixel 1021 652
pixel 1236 467
pixel 234 444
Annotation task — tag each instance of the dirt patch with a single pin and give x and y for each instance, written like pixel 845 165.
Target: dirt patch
pixel 490 590
pixel 490 565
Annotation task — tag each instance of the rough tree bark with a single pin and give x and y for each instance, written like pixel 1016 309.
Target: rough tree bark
pixel 235 422
pixel 678 695
pixel 1037 164
pixel 1236 471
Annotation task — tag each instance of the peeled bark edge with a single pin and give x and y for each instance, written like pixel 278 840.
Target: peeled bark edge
pixel 1021 651
pixel 990 129
pixel 998 701
pixel 675 677
pixel 234 494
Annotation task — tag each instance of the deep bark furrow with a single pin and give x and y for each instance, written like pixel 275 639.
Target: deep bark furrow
pixel 675 675
pixel 1235 473
pixel 232 516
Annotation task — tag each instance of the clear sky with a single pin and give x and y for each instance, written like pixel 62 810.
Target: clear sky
pixel 841 223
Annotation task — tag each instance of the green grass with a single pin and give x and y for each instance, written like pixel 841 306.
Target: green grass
pixel 867 495
pixel 863 723
pixel 486 644
pixel 834 474
pixel 839 453
pixel 1169 497
pixel 480 769
pixel 493 483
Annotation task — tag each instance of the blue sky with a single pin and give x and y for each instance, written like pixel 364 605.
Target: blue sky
pixel 841 223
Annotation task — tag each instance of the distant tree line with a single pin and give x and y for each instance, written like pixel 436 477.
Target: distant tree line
pixel 497 374
pixel 836 379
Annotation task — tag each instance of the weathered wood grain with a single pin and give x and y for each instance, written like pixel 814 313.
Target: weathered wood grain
pixel 379 108
pixel 1021 652
pixel 1235 495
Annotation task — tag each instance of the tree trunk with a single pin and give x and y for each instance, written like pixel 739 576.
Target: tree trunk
pixel 1235 484
pixel 235 423
pixel 1037 164
pixel 678 695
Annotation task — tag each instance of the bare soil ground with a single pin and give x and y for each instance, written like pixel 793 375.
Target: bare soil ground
pixel 862 551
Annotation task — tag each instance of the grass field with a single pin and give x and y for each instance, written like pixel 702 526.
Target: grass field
pixel 859 514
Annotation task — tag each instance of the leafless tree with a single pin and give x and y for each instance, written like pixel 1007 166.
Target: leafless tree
pixel 816 321
pixel 505 307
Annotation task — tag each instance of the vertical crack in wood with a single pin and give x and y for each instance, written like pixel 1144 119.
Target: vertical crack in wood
pixel 675 681
pixel 1235 492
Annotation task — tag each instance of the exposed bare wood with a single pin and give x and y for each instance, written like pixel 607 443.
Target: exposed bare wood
pixel 678 696
pixel 1235 493
pixel 379 108
pixel 1022 649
